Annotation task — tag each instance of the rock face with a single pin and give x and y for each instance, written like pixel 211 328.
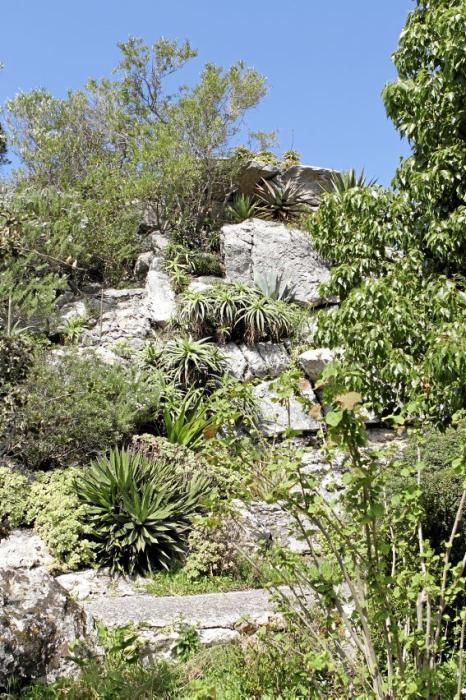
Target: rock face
pixel 313 362
pixel 263 524
pixel 38 619
pixel 261 360
pixel 311 179
pixel 161 302
pixel 253 173
pixel 255 247
pixel 276 418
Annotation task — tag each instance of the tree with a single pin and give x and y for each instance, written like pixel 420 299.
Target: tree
pixel 400 255
pixel 3 147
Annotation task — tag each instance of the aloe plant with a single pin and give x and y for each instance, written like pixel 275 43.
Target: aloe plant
pixel 140 511
pixel 243 207
pixel 193 362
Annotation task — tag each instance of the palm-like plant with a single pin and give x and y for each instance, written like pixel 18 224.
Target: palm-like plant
pixel 243 207
pixel 341 182
pixel 140 511
pixel 280 202
pixel 188 424
pixel 265 318
pixel 194 311
pixel 193 363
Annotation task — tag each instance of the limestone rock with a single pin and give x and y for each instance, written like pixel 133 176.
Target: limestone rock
pixel 38 621
pixel 142 264
pixel 263 524
pixel 200 284
pixel 160 294
pixel 23 549
pixel 235 360
pixel 311 179
pixel 253 173
pixel 254 248
pixel 260 360
pixel 274 417
pixel 89 583
pixel 124 319
pixel 313 362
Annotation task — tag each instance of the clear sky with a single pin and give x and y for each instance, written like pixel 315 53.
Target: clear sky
pixel 326 61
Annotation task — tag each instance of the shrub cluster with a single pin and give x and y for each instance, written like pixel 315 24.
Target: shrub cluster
pixel 236 312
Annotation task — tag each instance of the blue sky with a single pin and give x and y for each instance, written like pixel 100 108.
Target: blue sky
pixel 326 61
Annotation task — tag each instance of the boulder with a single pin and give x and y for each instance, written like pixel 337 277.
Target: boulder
pixel 23 549
pixel 312 180
pixel 260 360
pixel 161 303
pixel 142 265
pixel 262 525
pixel 38 622
pixel 313 362
pixel 254 248
pixel 253 173
pixel 200 284
pixel 276 418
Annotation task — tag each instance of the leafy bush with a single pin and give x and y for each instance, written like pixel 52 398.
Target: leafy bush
pixel 16 356
pixel 140 511
pixel 212 550
pixel 70 408
pixel 237 312
pixel 277 202
pixel 60 519
pixel 14 493
pixel 192 363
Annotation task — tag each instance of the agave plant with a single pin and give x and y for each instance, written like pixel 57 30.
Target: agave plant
pixel 243 207
pixel 280 202
pixel 193 363
pixel 140 511
pixel 274 286
pixel 341 182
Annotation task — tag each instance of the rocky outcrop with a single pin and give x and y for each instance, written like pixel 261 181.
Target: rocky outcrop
pixel 310 179
pixel 313 362
pixel 254 248
pixel 261 360
pixel 160 297
pixel 253 173
pixel 38 619
pixel 277 418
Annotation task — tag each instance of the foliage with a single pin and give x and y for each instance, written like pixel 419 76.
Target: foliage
pixel 272 285
pixel 212 550
pixel 369 555
pixel 60 519
pixel 341 182
pixel 140 511
pixel 70 408
pixel 192 363
pixel 399 255
pixel 3 147
pixel 188 641
pixel 236 312
pixel 181 262
pixel 16 356
pixel 119 674
pixel 277 202
pixel 242 207
pixel 188 424
pixel 14 491
pixel 291 157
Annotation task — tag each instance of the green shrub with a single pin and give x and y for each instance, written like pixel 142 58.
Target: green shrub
pixel 237 312
pixel 14 493
pixel 60 519
pixel 192 363
pixel 212 550
pixel 70 408
pixel 16 355
pixel 140 511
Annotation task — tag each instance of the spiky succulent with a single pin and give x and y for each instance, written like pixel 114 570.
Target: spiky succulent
pixel 341 182
pixel 193 363
pixel 243 207
pixel 273 285
pixel 140 511
pixel 276 202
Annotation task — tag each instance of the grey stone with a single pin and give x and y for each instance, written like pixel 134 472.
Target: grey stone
pixel 311 179
pixel 24 549
pixel 274 417
pixel 38 622
pixel 235 360
pixel 82 585
pixel 254 248
pixel 263 524
pixel 142 265
pixel 253 173
pixel 313 362
pixel 75 309
pixel 200 284
pixel 161 302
